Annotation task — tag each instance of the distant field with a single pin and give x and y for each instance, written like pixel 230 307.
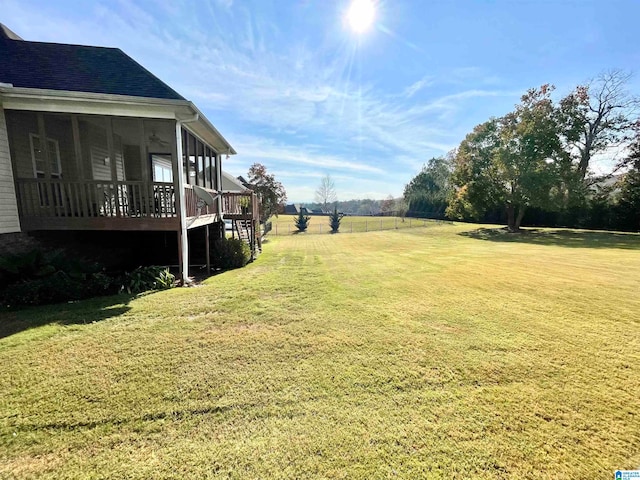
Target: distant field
pixel 450 351
pixel 284 224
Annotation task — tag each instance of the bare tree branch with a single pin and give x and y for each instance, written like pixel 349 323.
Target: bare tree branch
pixel 603 111
pixel 326 192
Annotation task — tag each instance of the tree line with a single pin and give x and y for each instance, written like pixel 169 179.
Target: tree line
pixel 534 165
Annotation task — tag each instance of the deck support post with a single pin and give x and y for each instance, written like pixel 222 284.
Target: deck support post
pixel 206 249
pixel 219 184
pixel 178 175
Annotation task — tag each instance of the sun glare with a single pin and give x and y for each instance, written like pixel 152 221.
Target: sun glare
pixel 360 15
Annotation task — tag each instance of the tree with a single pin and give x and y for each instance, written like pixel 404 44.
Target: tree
pixel 386 206
pixel 368 207
pixel 401 207
pixel 334 220
pixel 597 116
pixel 514 161
pixel 271 193
pixel 326 192
pixel 429 191
pixel 302 221
pixel 628 206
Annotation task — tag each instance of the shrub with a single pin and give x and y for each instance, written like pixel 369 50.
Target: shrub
pixel 227 253
pixel 37 277
pixel 334 220
pixel 59 287
pixel 302 221
pixel 143 279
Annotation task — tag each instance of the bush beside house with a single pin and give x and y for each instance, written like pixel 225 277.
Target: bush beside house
pixel 228 253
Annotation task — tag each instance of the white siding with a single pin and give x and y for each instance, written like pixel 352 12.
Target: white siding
pixel 9 220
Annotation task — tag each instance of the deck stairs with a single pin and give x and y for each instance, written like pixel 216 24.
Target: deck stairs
pixel 243 228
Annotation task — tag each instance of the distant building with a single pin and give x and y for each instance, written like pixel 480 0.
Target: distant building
pixel 232 184
pixel 291 209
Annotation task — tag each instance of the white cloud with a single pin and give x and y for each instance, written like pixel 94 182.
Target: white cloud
pixel 225 3
pixel 293 107
pixel 267 151
pixel 414 88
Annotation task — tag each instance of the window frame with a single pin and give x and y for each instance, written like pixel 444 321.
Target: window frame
pixel 57 174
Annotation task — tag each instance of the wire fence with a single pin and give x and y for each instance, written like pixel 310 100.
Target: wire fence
pixel 320 225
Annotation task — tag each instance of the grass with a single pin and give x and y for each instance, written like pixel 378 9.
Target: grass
pixel 439 352
pixel 284 224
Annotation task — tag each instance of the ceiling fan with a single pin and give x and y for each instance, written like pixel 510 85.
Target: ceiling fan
pixel 154 138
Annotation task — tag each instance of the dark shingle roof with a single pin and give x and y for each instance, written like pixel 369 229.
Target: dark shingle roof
pixel 77 68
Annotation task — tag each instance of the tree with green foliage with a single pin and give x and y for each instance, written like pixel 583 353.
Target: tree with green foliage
pixel 271 193
pixel 427 194
pixel 628 205
pixel 334 220
pixel 368 207
pixel 514 161
pixel 302 221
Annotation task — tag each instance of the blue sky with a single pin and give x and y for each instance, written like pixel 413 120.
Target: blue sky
pixel 291 86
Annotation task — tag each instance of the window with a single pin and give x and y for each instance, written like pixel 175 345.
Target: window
pixel 48 195
pixel 207 168
pixel 38 157
pixel 162 169
pixel 191 140
pixel 200 164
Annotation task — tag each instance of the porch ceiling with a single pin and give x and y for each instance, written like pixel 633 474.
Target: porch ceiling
pixel 16 98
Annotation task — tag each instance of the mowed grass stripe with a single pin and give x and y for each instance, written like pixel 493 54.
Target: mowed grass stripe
pixel 422 353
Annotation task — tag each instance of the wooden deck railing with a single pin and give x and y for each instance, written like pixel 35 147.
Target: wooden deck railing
pixel 95 198
pixel 240 203
pixel 195 207
pixel 41 198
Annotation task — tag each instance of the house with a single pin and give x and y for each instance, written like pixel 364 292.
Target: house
pixel 291 209
pixel 92 141
pixel 232 184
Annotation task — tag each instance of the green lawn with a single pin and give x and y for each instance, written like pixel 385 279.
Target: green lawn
pixel 284 224
pixel 439 352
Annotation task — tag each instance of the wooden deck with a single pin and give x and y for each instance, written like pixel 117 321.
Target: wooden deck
pixel 58 204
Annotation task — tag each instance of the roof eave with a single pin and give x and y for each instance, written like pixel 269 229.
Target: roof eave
pixel 66 101
pixel 209 125
pixel 45 94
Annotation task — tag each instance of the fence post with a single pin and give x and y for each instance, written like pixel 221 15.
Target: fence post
pixel 352 226
pixel 396 223
pixel 366 224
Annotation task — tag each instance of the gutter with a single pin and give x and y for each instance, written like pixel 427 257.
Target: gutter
pixel 209 125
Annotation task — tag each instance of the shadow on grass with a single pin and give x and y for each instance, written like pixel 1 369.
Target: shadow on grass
pixel 76 313
pixel 147 417
pixel 559 238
